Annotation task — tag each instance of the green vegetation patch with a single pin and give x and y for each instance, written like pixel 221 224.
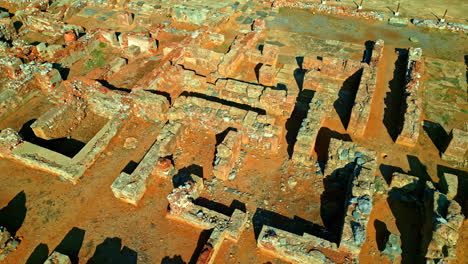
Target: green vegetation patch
pixel 98 59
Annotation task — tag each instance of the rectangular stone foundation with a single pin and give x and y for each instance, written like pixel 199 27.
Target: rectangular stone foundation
pixel 69 169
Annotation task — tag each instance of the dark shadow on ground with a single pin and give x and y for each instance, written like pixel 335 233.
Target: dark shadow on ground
pixel 409 219
pixel 165 94
pixel 112 87
pixel 323 141
pixel 111 252
pixel 204 236
pixel 417 168
pixel 12 216
pixel 346 96
pixel 437 134
pixel 257 71
pixel 224 102
pixel 333 199
pixel 65 146
pixel 298 115
pixel 184 174
pixel 368 51
pixel 299 77
pixel 381 234
pixel 64 71
pixel 462 191
pixel 177 259
pixel 71 244
pixel 130 168
pixel 39 255
pixel 394 110
pixel 295 225
pixel 219 207
pixel 221 136
pixel 387 172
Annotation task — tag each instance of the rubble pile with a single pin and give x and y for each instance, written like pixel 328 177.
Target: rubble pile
pixel 8 243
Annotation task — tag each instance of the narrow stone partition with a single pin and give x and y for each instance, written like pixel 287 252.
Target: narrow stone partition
pixel 227 154
pixel 182 208
pixel 365 95
pixel 412 99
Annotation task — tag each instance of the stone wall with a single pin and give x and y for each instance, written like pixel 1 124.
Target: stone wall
pixel 412 99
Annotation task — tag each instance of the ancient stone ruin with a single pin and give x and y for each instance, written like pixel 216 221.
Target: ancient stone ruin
pixel 271 131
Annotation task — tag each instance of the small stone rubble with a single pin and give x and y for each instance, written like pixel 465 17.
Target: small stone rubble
pixel 81 95
pixel 429 23
pixel 8 243
pixel 58 258
pixel 392 249
pixel 292 247
pixel 256 130
pixel 218 68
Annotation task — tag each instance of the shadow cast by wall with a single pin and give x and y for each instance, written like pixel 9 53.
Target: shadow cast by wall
pixel 346 96
pixel 71 244
pixel 65 146
pixel 12 216
pixel 39 254
pixel 394 110
pixel 437 134
pixel 177 259
pixel 111 252
pixel 295 225
pixel 381 234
